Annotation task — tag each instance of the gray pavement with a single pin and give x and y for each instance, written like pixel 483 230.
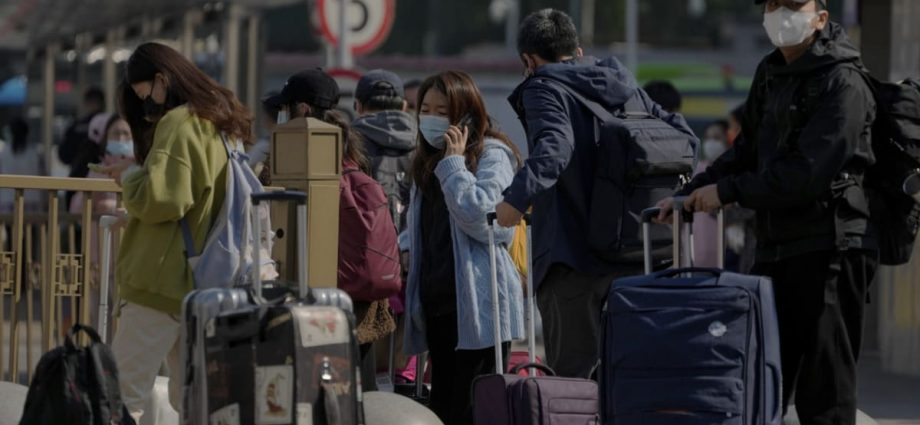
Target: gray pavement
pixel 888 398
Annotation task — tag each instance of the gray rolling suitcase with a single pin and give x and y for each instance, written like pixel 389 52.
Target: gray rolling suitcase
pixel 204 310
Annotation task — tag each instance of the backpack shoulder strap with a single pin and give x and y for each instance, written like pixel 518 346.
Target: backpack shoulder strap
pixel 595 108
pixel 808 92
pixel 187 239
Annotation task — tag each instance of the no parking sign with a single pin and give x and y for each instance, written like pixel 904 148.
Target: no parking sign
pixel 370 22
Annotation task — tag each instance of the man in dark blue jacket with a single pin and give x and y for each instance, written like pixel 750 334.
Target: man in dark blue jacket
pixel 557 179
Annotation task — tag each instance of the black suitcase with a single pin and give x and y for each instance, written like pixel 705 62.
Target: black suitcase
pixel 288 360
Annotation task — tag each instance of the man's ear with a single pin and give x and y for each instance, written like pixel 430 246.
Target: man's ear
pixel 405 106
pixel 528 61
pixel 822 20
pixel 304 110
pixel 579 52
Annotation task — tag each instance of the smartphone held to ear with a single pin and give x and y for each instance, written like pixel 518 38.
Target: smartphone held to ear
pixel 466 121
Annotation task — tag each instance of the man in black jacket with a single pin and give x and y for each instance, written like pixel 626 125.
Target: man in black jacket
pixel 557 180
pixel 798 163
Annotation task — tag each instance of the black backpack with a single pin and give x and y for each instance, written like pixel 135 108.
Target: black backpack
pixel 391 168
pixel 76 386
pixel 896 146
pixel 641 160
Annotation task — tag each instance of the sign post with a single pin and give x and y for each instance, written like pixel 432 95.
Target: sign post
pixel 361 26
pixel 346 60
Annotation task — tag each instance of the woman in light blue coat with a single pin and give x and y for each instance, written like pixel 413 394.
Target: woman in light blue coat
pixel 459 173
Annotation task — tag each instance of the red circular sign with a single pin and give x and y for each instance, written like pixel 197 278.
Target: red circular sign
pixel 374 22
pixel 350 74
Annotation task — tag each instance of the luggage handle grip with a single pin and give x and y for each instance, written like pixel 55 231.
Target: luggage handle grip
pixel 546 369
pixel 492 217
pixel 75 330
pixel 675 272
pixel 649 214
pixel 286 195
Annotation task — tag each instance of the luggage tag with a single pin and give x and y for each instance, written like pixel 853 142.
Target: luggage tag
pixel 304 414
pixel 274 394
pixel 229 415
pixel 321 326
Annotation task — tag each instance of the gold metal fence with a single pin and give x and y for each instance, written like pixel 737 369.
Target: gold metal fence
pixel 49 263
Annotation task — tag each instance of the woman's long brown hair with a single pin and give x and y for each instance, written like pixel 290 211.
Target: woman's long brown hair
pixel 186 85
pixel 463 100
pixel 354 151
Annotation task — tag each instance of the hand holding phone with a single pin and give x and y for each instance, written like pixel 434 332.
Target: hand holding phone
pixel 456 137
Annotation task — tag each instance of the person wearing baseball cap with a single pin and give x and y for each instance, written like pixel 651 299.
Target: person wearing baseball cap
pixel 390 135
pixel 308 93
pixel 798 163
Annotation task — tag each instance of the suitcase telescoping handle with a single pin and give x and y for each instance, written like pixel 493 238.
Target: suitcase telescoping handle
pixel 682 231
pixel 496 305
pixel 300 199
pixel 106 222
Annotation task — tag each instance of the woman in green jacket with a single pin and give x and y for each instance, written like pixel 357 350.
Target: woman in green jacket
pixel 177 114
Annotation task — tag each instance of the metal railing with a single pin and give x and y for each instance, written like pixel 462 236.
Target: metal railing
pixel 48 263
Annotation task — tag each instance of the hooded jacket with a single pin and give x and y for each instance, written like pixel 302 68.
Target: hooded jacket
pixel 558 176
pixel 469 197
pixel 184 176
pixel 390 138
pixel 790 155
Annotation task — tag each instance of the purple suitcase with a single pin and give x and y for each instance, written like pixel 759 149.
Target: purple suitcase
pixel 506 399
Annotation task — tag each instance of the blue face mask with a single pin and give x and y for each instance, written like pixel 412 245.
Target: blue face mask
pixel 120 148
pixel 433 128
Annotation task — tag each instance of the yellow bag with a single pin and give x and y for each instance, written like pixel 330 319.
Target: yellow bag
pixel 518 248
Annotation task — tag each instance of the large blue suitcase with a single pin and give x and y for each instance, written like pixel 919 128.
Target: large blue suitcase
pixel 690 346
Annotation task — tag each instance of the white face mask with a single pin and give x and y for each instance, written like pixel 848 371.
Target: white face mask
pixel 788 28
pixel 283 117
pixel 120 148
pixel 433 128
pixel 713 149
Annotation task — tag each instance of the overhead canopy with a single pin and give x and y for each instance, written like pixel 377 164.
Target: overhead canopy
pixel 27 22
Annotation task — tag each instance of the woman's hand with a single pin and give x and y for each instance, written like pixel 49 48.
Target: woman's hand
pixel 116 169
pixel 122 215
pixel 456 140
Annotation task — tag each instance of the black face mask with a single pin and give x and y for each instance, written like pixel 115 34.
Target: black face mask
pixel 153 110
